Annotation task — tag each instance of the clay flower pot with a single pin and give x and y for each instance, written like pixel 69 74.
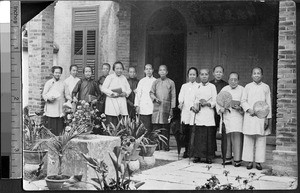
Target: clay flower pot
pixel 150 149
pixel 55 182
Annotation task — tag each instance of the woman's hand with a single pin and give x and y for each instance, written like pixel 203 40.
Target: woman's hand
pixel 237 107
pixel 205 104
pixel 222 110
pixel 251 112
pixel 157 101
pixel 51 99
pixel 137 110
pixel 114 95
pixel 123 94
pixel 194 109
pixel 180 106
pixel 266 124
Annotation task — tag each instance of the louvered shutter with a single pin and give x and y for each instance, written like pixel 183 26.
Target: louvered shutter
pixel 78 56
pixel 91 50
pixel 85 36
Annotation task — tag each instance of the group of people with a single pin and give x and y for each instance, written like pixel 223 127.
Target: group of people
pixel 155 99
pixel 246 132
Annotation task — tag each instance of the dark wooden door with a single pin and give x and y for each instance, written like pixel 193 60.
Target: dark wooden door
pixel 168 49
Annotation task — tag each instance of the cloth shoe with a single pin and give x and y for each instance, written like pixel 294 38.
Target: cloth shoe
pixel 227 161
pixel 250 166
pixel 197 160
pixel 237 163
pixel 185 155
pixel 208 161
pixel 258 166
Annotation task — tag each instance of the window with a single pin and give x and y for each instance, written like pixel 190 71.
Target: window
pixel 85 26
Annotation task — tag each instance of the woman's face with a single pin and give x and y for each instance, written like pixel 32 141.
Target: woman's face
pixel 74 71
pixel 192 75
pixel 118 69
pixel 256 75
pixel 233 80
pixel 204 76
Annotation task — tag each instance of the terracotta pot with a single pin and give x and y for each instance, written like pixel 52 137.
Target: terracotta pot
pixel 34 157
pixel 56 184
pixel 150 149
pixel 134 156
pixel 134 165
pixel 147 162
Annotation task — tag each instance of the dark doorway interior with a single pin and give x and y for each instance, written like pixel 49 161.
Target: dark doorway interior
pixel 167 49
pixel 166 39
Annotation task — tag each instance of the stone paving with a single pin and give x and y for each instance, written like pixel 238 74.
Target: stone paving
pixel 183 174
pixel 186 175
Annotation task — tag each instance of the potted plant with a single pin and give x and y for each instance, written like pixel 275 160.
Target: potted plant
pixel 135 132
pixel 33 125
pixel 120 182
pixel 80 122
pixel 131 132
pixel 151 141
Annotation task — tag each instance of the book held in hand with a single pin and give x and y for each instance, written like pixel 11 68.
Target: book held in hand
pixel 117 90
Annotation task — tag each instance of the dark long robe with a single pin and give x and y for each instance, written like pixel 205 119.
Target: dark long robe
pixel 133 82
pixel 102 97
pixel 86 87
pixel 204 142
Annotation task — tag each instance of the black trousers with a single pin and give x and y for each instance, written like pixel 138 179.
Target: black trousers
pixel 165 132
pixel 55 124
pixel 147 121
pixel 186 133
pixel 113 119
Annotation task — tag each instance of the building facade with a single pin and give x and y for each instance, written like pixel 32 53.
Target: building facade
pixel 180 34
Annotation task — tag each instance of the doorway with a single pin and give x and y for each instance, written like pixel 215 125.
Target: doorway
pixel 166 44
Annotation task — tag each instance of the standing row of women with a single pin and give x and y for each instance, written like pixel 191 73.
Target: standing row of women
pixel 245 131
pixel 154 100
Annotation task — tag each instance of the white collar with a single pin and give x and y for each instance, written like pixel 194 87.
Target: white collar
pixel 258 83
pixel 204 84
pixel 149 77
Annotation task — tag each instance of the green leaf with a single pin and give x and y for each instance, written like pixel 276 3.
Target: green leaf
pixel 139 184
pixel 90 160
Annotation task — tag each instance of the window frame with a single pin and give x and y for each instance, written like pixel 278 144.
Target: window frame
pixel 85 27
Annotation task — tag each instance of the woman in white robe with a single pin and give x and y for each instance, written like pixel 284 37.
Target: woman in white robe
pixel 233 121
pixel 116 88
pixel 254 128
pixel 205 97
pixel 185 99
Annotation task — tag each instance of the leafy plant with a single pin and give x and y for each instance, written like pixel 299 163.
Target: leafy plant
pixel 113 130
pixel 131 131
pixel 155 137
pixel 32 130
pixel 213 183
pixel 80 123
pixel 85 115
pixel 118 183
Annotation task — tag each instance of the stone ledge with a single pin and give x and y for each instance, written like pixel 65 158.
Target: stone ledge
pixel 96 146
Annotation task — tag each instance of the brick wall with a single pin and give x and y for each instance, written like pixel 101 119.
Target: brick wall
pixel 40 57
pixel 285 155
pixel 236 47
pixel 108 28
pixel 123 36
